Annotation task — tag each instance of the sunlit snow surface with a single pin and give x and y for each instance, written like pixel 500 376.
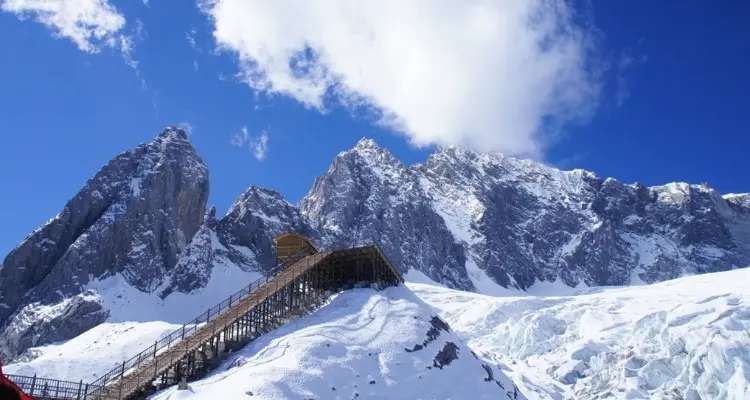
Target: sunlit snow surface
pixel 363 344
pixel 353 347
pixel 93 353
pixel 683 339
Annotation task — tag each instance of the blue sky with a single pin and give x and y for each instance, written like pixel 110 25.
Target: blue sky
pixel 652 92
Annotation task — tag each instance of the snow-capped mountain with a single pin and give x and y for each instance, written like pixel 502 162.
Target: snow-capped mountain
pixel 368 196
pixel 133 219
pixel 464 217
pixel 253 220
pixel 524 222
pixel 480 222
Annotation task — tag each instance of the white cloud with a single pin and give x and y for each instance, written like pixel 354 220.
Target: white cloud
pixel 195 65
pixel 625 63
pixel 259 146
pixel 187 127
pixel 140 30
pixel 190 37
pixel 478 73
pixel 90 24
pixel 238 139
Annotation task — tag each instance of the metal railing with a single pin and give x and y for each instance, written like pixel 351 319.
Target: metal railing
pixel 63 390
pixel 43 389
pixel 187 329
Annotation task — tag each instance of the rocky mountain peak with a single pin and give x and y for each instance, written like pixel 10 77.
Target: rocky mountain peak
pixel 367 143
pixel 739 201
pixel 174 133
pixel 133 219
pixel 372 154
pixel 253 198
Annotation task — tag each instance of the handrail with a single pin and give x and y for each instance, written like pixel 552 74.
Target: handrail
pixel 43 388
pixel 188 328
pixel 131 369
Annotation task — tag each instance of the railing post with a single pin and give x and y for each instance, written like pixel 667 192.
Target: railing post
pixel 183 332
pixel 80 386
pixel 33 385
pixel 122 373
pixel 156 364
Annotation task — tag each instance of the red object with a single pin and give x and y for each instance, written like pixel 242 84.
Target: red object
pixel 9 390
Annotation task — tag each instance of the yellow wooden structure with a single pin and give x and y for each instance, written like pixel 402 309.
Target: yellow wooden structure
pixel 291 245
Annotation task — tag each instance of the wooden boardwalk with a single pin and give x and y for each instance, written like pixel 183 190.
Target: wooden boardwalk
pixel 190 353
pixel 291 292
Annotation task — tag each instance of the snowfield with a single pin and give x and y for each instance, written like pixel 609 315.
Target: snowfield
pixel 687 338
pixel 683 339
pixel 363 344
pixel 93 353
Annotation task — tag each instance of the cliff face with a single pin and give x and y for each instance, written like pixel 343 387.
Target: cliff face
pixel 368 196
pixel 133 218
pixel 464 219
pixel 524 222
pixel 464 214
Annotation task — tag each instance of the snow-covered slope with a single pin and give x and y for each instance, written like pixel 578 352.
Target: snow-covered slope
pixel 363 344
pixel 682 339
pixel 91 354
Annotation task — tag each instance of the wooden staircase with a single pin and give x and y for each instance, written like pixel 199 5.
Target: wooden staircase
pixel 191 352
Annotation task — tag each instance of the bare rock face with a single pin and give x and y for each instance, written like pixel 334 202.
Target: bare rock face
pixel 256 217
pixel 521 222
pixel 133 218
pixel 367 196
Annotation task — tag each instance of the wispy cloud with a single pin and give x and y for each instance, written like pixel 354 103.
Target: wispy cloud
pixel 238 139
pixel 484 74
pixel 195 65
pixel 625 62
pixel 258 145
pixel 190 37
pixel 140 30
pixel 573 161
pixel 187 127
